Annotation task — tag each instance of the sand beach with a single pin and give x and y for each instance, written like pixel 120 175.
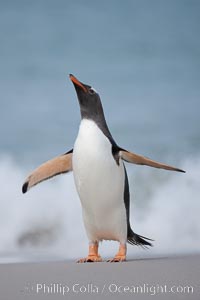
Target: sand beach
pixel 162 278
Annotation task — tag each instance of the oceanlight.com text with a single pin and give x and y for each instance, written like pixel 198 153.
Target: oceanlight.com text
pixel 150 289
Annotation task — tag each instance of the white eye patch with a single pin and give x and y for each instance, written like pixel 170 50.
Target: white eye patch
pixel 93 89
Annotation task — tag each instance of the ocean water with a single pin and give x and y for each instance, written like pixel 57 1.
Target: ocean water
pixel 143 57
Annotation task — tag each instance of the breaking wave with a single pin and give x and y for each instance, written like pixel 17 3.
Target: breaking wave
pixel 47 221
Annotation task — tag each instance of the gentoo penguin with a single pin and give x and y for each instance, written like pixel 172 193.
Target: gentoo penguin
pixel 100 177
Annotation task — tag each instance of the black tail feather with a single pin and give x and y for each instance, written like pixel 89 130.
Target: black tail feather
pixel 139 240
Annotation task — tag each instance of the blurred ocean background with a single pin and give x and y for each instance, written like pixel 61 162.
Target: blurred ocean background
pixel 143 57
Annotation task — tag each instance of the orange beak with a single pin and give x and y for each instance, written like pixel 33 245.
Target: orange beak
pixel 77 82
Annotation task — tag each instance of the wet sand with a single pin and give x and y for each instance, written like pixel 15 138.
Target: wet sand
pixel 162 278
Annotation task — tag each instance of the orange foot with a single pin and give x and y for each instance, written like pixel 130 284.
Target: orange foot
pixel 90 258
pixel 117 258
pixel 121 254
pixel 93 255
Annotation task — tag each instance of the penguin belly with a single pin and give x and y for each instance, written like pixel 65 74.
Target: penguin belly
pixel 99 182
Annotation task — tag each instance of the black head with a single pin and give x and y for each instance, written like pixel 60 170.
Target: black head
pixel 90 106
pixel 89 100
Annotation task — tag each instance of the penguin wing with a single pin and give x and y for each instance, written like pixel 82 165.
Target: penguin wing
pixel 58 165
pixel 142 160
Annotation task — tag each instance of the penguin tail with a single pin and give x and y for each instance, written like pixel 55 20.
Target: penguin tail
pixel 138 240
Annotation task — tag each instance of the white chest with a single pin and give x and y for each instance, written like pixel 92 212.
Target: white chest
pixel 99 180
pixel 93 162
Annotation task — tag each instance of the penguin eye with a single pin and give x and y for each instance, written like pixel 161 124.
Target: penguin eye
pixel 91 91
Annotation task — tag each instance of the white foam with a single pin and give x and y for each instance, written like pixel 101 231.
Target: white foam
pixel 173 219
pixel 48 218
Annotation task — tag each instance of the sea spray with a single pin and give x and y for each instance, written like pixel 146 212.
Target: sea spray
pixel 49 216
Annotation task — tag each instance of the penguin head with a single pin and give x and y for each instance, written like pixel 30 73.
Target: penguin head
pixel 89 100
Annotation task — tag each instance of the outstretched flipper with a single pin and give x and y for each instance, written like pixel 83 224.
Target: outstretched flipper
pixel 142 160
pixel 58 165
